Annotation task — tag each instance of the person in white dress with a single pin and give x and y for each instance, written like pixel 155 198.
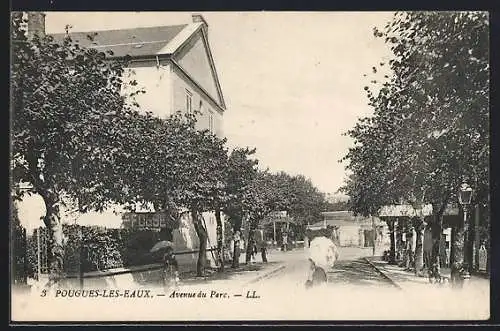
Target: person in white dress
pixel 322 255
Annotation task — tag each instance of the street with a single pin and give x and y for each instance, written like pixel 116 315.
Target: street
pixel 349 270
pixel 355 291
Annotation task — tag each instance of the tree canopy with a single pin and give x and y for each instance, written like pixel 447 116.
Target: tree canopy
pixel 429 128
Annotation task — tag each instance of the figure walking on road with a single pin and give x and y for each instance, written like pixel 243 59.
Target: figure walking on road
pixel 323 253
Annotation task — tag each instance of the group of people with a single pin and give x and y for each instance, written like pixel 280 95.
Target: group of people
pixel 237 245
pixel 322 255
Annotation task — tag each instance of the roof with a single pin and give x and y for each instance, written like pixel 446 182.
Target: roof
pixel 144 42
pixel 134 42
pixel 347 222
pixel 279 220
pixel 342 215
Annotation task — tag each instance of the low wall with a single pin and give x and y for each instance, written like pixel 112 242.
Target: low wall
pixel 126 277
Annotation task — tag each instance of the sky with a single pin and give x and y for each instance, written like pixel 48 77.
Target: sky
pixel 292 81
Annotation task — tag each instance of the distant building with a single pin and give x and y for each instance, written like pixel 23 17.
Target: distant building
pixel 352 230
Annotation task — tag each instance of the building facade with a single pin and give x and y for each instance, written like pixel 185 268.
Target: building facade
pixel 174 66
pixel 353 230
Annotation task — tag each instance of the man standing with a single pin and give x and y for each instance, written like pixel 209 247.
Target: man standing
pixel 261 245
pixel 285 241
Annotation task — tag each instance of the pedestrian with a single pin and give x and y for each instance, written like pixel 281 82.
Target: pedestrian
pixel 447 255
pixel 263 251
pixel 253 250
pixel 285 241
pixel 260 245
pixel 323 253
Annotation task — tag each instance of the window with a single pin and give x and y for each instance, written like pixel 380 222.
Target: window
pixel 189 105
pixel 211 122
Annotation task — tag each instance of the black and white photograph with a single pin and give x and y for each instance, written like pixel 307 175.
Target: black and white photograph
pixel 249 166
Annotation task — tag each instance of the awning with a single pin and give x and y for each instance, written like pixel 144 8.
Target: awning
pixel 287 219
pixel 410 211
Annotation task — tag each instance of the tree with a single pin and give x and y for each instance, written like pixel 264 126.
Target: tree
pixel 65 104
pixel 240 174
pixel 306 203
pixel 429 130
pixel 265 194
pixel 172 166
pixel 203 185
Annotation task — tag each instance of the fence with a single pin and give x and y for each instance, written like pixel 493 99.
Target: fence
pixel 19 256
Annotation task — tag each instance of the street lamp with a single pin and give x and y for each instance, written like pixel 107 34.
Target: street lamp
pixel 465 194
pixel 464 198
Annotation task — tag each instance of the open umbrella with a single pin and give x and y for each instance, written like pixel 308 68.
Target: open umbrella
pixel 161 245
pixel 323 252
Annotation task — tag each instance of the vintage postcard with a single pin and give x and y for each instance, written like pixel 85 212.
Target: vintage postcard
pixel 249 166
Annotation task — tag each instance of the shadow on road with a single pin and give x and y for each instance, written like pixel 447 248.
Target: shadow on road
pixel 190 278
pixel 356 272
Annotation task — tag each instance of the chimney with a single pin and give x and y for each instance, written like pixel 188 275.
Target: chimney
pixel 36 24
pixel 198 18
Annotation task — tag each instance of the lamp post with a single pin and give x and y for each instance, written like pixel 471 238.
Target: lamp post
pixel 464 198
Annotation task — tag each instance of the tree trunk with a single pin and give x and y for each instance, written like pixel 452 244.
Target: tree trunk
pixel 438 234
pixel 408 251
pixel 202 236
pixel 253 226
pixel 55 249
pixel 392 252
pixel 220 241
pixel 419 246
pixel 236 248
pixel 458 241
pixel 399 242
pixel 437 241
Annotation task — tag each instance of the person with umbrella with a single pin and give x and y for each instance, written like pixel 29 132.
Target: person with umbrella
pixel 323 253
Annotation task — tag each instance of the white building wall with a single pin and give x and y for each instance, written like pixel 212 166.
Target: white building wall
pixel 349 235
pixel 156 81
pixel 180 85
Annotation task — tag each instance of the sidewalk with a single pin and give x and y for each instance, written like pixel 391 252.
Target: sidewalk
pixel 407 280
pixel 243 275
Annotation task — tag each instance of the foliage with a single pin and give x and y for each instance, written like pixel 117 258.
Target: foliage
pixel 324 232
pixel 18 240
pixel 241 172
pixel 339 205
pixel 429 129
pixel 67 108
pixel 136 247
pixel 307 201
pixel 65 101
pixel 101 247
